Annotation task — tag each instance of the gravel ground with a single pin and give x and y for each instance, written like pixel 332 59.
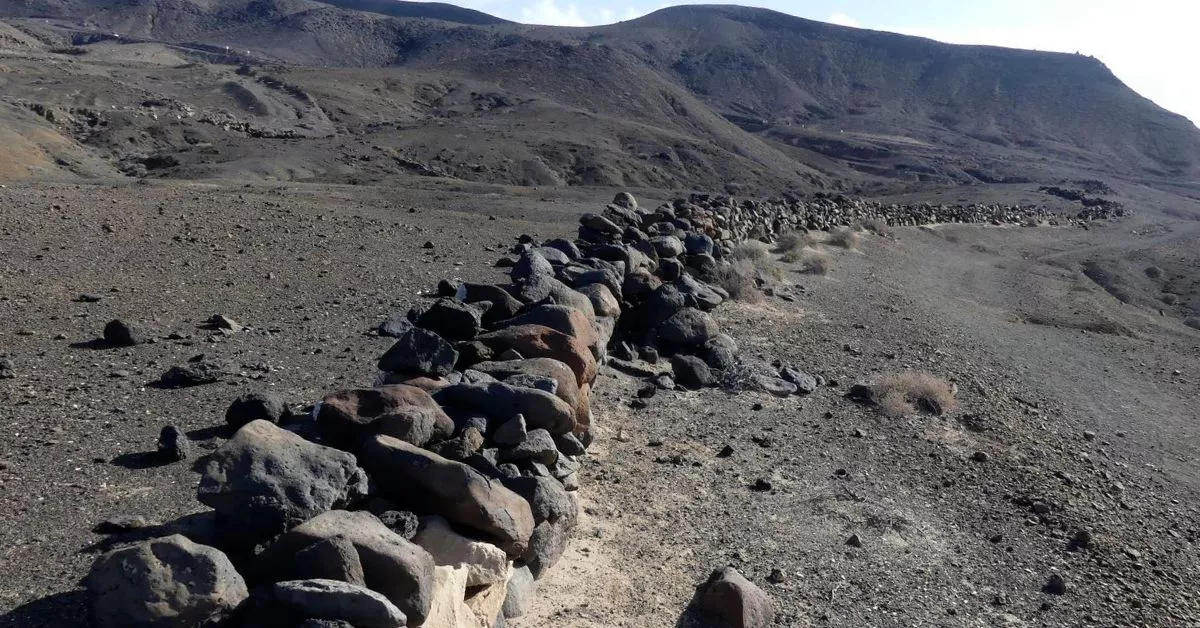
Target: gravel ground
pixel 1081 430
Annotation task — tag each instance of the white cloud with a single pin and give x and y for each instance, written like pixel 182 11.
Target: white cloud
pixel 610 16
pixel 549 12
pixel 841 19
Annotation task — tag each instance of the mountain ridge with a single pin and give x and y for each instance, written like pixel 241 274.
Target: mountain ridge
pixel 802 102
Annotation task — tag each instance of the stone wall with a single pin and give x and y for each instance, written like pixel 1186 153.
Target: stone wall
pixel 439 496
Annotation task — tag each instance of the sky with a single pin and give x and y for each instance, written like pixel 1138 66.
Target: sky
pixel 1151 45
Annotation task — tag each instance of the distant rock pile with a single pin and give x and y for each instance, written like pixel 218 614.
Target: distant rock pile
pixel 729 220
pixel 440 495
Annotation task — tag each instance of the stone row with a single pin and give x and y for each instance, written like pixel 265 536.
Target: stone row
pixel 440 495
pixel 728 219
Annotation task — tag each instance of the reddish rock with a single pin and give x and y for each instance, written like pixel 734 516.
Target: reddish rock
pixel 567 320
pixel 406 412
pixel 428 384
pixel 539 341
pixel 733 599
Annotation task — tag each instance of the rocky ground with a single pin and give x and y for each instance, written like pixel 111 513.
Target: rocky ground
pixel 1078 430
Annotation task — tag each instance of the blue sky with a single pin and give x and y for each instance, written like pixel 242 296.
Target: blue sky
pixel 1152 45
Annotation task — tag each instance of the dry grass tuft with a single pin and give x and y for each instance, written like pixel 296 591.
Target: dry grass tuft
pixel 790 244
pixel 812 261
pixel 753 250
pixel 901 394
pixel 740 279
pixel 844 237
pixel 879 227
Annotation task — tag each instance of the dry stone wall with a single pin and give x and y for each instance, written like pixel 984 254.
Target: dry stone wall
pixel 439 496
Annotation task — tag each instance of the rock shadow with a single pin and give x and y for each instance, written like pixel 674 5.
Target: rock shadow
pixel 142 460
pixel 53 611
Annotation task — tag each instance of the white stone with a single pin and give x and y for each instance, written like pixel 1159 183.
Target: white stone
pixel 485 563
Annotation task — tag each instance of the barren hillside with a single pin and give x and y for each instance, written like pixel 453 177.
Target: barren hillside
pixel 678 99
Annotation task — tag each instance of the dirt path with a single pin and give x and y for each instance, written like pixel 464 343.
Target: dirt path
pixel 946 540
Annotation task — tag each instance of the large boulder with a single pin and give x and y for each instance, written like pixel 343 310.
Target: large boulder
pixel 562 294
pixel 609 275
pixel 638 284
pixel 425 482
pixel 547 545
pixel 420 352
pixel 538 341
pixel 698 244
pixel 688 328
pixel 660 305
pixel 520 592
pixel 625 200
pixel 330 559
pixel 555 256
pixel 720 352
pixel 485 563
pixel 163 582
pixel 691 372
pixel 538 445
pixel 561 318
pixel 568 388
pixel 556 513
pixel 667 246
pixel 563 245
pixel 501 402
pixel 453 320
pixel 392 565
pixel 730 598
pixel 600 224
pixel 604 303
pixel 704 296
pixel 532 264
pixel 254 406
pixel 338 601
pixel 394 327
pixel 402 411
pixel 805 384
pixel 548 500
pixel 501 304
pixel 268 479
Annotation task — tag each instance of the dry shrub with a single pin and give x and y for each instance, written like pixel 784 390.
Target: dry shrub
pixel 901 394
pixel 812 261
pixel 879 227
pixel 844 237
pixel 752 250
pixel 740 279
pixel 789 245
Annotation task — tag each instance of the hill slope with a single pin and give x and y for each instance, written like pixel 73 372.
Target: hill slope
pixel 684 97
